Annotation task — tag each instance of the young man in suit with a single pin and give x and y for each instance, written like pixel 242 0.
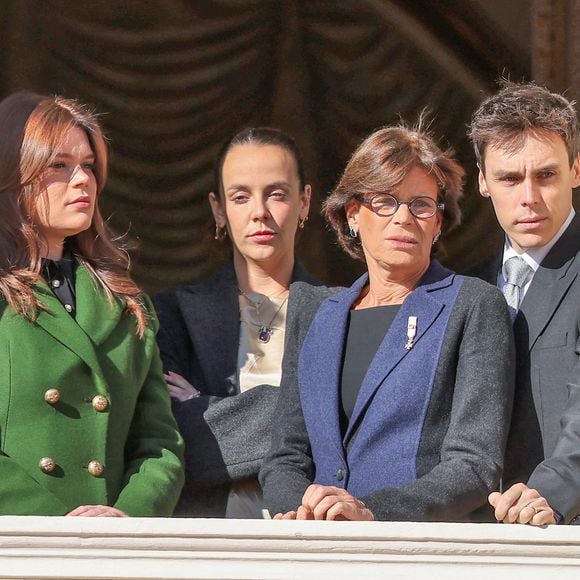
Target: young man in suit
pixel 527 149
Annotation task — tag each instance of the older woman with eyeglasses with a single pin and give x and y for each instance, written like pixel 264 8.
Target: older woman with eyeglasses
pixel 398 403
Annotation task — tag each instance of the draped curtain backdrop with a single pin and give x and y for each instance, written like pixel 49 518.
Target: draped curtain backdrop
pixel 174 78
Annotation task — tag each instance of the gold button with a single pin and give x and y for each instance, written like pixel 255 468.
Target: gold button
pixel 47 465
pixel 100 403
pixel 52 396
pixel 95 468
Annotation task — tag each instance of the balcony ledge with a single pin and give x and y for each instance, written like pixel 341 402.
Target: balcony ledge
pixel 139 548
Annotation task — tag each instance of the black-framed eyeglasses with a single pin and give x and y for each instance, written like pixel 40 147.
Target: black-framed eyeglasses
pixel 385 204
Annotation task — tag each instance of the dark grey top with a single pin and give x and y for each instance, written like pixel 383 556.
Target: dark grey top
pixel 366 329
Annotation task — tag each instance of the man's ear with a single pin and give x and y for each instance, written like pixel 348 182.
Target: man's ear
pixel 576 172
pixel 483 190
pixel 219 215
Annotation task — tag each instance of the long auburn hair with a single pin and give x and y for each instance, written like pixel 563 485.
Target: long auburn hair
pixel 33 128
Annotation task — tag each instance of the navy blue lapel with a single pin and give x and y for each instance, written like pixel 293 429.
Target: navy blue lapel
pixel 426 305
pixel 551 281
pixel 321 359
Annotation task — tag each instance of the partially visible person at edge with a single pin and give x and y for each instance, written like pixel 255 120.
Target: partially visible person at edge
pixel 85 420
pixel 222 340
pixel 398 406
pixel 527 148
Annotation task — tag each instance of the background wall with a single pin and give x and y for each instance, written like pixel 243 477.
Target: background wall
pixel 174 78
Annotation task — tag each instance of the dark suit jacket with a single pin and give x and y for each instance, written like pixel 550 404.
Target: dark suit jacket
pixel 544 443
pixel 227 433
pixel 427 435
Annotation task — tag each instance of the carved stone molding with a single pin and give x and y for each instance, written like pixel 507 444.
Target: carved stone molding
pixel 64 548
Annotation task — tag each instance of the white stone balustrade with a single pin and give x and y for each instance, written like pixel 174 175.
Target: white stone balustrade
pixel 140 548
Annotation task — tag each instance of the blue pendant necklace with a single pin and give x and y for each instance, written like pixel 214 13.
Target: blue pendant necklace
pixel 265 331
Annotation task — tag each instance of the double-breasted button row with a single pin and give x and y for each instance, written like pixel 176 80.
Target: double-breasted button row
pixel 48 465
pixel 100 403
pixel 95 468
pixel 52 396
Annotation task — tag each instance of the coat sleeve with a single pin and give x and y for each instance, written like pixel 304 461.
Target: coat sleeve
pixel 172 338
pixel 472 450
pixel 288 469
pixel 556 478
pixel 226 438
pixel 154 448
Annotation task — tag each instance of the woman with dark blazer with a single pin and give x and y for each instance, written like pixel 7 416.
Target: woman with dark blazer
pixel 85 422
pixel 222 340
pixel 398 404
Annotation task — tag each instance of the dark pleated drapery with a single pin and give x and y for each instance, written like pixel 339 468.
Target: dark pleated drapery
pixel 174 78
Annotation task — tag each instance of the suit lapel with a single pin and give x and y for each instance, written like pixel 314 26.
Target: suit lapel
pixel 321 360
pixel 96 316
pixel 212 315
pixel 422 303
pixel 211 310
pixel 551 282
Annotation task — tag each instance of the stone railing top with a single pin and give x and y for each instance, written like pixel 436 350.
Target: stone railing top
pixel 45 547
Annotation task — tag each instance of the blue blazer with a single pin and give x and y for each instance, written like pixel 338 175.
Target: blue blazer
pixel 427 434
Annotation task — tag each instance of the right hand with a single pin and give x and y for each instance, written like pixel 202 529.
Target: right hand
pixel 300 514
pixel 97 511
pixel 180 388
pixel 521 504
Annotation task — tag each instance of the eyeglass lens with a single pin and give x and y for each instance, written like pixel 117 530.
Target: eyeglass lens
pixel 421 207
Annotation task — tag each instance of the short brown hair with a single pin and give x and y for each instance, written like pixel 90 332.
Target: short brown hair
pixel 380 163
pixel 517 109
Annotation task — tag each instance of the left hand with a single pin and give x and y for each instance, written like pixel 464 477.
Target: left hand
pixel 326 502
pixel 521 504
pixel 97 511
pixel 179 387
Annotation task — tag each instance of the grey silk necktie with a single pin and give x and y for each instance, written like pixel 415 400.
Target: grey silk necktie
pixel 517 272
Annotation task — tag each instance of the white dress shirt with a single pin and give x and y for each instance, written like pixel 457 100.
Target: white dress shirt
pixel 533 256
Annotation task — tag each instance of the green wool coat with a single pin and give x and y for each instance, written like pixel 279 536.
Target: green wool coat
pixel 135 438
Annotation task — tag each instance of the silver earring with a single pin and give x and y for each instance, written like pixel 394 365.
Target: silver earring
pixel 302 222
pixel 436 238
pixel 352 232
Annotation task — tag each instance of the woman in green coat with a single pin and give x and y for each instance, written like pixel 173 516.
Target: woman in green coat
pixel 85 421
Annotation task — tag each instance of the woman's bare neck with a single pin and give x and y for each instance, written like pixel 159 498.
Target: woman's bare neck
pixel 388 288
pixel 270 279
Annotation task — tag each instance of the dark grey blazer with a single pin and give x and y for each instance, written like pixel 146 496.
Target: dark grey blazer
pixel 544 443
pixel 227 433
pixel 459 460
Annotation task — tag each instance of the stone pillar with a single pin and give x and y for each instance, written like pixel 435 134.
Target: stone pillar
pixel 556 44
pixel 556 49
